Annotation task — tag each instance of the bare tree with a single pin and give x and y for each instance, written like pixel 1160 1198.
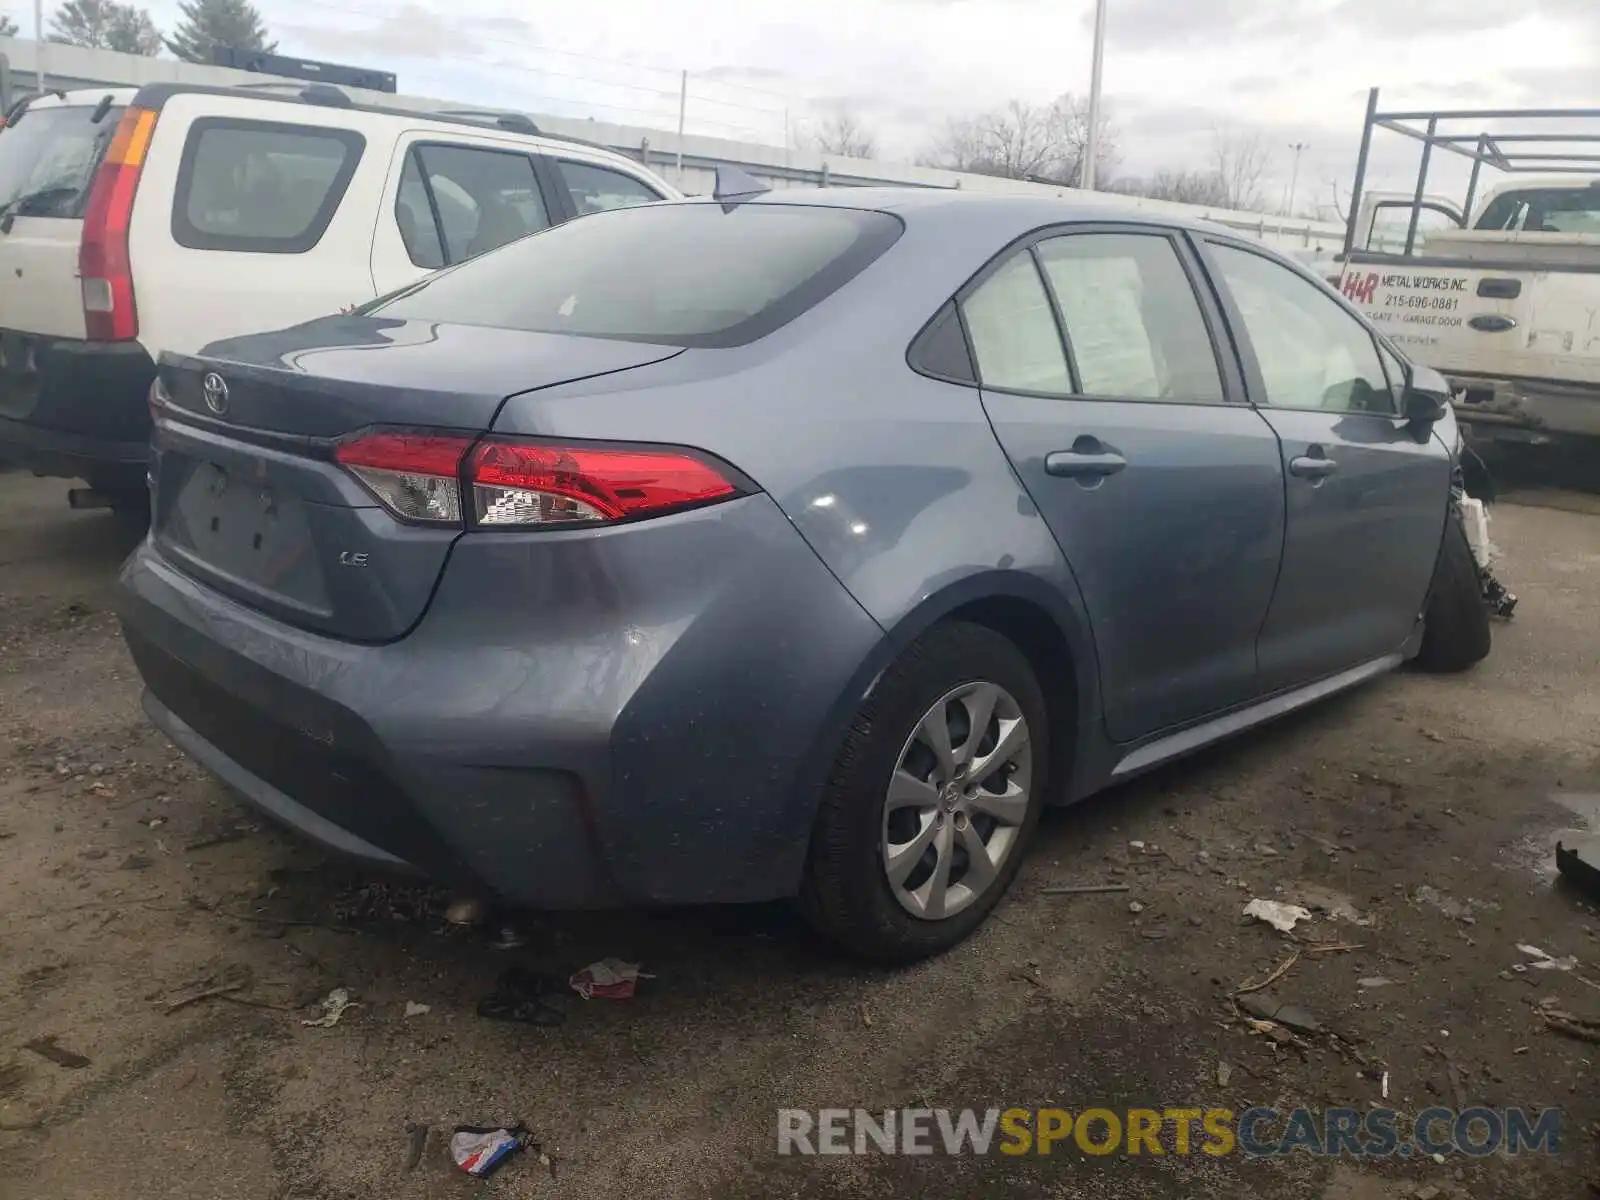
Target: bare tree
pixel 1069 116
pixel 843 133
pixel 1180 187
pixel 1239 162
pixel 1023 141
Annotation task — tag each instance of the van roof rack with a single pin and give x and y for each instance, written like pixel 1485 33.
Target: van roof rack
pixel 505 119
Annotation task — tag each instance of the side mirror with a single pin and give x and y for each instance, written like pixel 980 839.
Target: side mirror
pixel 1427 396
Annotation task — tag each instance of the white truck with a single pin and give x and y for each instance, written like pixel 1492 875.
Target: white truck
pixel 1500 294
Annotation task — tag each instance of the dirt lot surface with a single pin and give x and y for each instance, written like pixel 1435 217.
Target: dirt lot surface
pixel 128 882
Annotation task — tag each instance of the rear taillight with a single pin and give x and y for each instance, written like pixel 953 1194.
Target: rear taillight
pixel 522 485
pixel 103 264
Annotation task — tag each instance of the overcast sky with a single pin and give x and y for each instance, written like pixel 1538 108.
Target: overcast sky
pixel 1290 70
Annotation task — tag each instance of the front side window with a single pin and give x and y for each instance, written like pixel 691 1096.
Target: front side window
pixel 689 274
pixel 1312 353
pixel 481 199
pixel 1544 210
pixel 1013 330
pixel 261 186
pixel 1132 318
pixel 599 189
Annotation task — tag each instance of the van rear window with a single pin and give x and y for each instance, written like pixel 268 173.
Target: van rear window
pixel 48 159
pixel 261 186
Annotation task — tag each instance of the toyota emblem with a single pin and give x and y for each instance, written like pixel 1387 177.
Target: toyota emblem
pixel 215 390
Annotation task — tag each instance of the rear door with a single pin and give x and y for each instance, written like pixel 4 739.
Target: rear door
pixel 48 159
pixel 1366 494
pixel 1162 488
pixel 449 199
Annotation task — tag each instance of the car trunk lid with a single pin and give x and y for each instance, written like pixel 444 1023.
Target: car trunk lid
pixel 249 499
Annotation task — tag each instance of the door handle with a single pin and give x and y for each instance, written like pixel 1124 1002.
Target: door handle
pixel 1089 458
pixel 1313 465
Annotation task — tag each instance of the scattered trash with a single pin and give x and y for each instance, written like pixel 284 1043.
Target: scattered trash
pixel 1579 865
pixel 1337 948
pixel 1543 961
pixel 1282 917
pixel 480 1152
pixel 46 1048
pixel 1456 910
pixel 413 1009
pixel 1438 1159
pixel 1325 900
pixel 608 979
pixel 1135 907
pixel 521 995
pixel 1384 1085
pixel 155 822
pixel 416 1143
pixel 1282 970
pixel 1373 981
pixel 1270 1029
pixel 866 1017
pixel 1224 1074
pixel 1269 1008
pixel 1085 889
pixel 466 911
pixel 206 994
pixel 1558 1020
pixel 1136 845
pixel 333 1006
pixel 1266 850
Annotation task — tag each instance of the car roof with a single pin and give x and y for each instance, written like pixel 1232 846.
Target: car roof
pixel 1001 211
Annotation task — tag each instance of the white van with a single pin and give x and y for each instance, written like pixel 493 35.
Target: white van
pixel 134 221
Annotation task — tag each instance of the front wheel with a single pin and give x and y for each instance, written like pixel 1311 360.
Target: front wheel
pixel 1455 627
pixel 932 799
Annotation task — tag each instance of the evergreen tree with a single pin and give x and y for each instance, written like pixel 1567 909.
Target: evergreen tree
pixel 105 25
pixel 8 27
pixel 208 24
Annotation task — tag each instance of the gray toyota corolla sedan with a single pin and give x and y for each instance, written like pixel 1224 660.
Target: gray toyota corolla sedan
pixel 787 545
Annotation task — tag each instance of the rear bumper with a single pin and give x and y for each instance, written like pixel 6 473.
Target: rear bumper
pixel 623 736
pixel 1530 411
pixel 77 409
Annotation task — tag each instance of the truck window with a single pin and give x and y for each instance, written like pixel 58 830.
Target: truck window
pixel 261 186
pixel 48 158
pixel 1544 210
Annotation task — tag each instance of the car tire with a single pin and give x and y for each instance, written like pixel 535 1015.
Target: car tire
pixel 848 892
pixel 1455 630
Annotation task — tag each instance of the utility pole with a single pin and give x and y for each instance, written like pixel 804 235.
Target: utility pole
pixel 683 105
pixel 1091 150
pixel 1294 177
pixel 38 47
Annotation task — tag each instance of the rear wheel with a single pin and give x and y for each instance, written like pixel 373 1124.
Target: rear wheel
pixel 932 799
pixel 1455 631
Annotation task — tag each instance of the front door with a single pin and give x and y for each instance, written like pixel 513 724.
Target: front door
pixel 1099 375
pixel 1367 494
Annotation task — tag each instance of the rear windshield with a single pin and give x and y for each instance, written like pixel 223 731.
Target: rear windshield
pixel 48 159
pixel 676 274
pixel 1545 210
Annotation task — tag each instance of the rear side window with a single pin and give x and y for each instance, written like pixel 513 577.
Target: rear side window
pixel 457 202
pixel 597 189
pixel 673 274
pixel 1014 334
pixel 261 186
pixel 48 159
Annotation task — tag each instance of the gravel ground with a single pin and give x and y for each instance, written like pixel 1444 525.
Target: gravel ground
pixel 129 881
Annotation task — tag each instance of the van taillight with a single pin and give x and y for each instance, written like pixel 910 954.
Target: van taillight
pixel 103 264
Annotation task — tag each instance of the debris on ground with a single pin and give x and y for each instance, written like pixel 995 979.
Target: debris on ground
pixel 1270 1008
pixel 1373 981
pixel 45 1047
pixel 413 1009
pixel 1135 907
pixel 480 1151
pixel 1281 970
pixel 1224 1074
pixel 1325 900
pixel 207 993
pixel 1282 917
pixel 522 995
pixel 1558 1020
pixel 1579 865
pixel 608 979
pixel 1085 889
pixel 416 1143
pixel 333 1006
pixel 1542 960
pixel 467 910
